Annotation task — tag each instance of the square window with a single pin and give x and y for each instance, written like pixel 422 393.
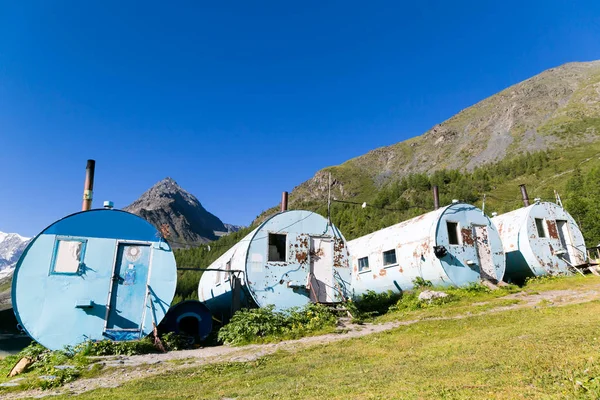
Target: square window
pixel 389 257
pixel 68 256
pixel 453 234
pixel 363 264
pixel 277 247
pixel 539 224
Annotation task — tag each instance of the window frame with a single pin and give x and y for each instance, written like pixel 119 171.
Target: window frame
pixel 367 269
pixel 285 247
pixel 54 259
pixel 543 225
pixel 457 231
pixel 395 258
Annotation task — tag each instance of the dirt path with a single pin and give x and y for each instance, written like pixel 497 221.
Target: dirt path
pixel 120 369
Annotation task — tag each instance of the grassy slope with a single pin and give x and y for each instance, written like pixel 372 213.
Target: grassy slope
pixel 545 352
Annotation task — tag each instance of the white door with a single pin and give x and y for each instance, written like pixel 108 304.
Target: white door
pixel 487 269
pixel 321 270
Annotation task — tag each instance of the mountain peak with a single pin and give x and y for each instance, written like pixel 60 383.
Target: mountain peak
pixel 11 247
pixel 167 203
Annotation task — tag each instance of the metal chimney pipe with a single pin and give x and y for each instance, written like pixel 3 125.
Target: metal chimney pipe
pixel 284 201
pixel 436 198
pixel 88 187
pixel 524 194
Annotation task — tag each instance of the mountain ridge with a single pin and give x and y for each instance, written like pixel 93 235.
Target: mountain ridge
pixel 558 107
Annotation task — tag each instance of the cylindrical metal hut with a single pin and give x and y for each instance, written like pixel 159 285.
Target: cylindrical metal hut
pixel 291 259
pixel 93 275
pixel 540 239
pixel 452 246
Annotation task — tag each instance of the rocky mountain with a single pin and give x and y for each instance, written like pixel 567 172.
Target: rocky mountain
pixel 558 108
pixel 166 204
pixel 11 248
pixel 229 229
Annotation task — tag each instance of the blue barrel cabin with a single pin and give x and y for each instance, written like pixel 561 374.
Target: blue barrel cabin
pixel 93 275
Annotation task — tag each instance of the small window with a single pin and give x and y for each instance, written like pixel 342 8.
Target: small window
pixel 227 271
pixel 539 224
pixel 277 245
pixel 389 257
pixel 68 256
pixel 363 264
pixel 453 233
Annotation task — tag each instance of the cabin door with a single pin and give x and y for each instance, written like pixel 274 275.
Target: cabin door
pixel 565 239
pixel 128 294
pixel 321 270
pixel 484 252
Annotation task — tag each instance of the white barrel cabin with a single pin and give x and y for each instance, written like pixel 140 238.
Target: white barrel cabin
pixel 451 246
pixel 539 239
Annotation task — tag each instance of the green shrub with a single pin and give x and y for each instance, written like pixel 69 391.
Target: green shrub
pixel 371 304
pixel 420 283
pixel 261 324
pixel 172 341
pixel 44 363
pixel 110 348
pixel 410 302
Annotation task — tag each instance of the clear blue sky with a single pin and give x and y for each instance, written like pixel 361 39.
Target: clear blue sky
pixel 238 101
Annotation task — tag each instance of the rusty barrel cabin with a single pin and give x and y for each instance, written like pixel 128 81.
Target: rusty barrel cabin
pixel 98 274
pixel 539 239
pixel 451 246
pixel 291 259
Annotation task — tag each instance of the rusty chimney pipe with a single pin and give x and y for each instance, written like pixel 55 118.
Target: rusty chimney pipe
pixel 436 198
pixel 284 201
pixel 524 194
pixel 88 187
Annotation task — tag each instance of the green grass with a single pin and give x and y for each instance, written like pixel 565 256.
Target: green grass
pixel 528 353
pixel 541 352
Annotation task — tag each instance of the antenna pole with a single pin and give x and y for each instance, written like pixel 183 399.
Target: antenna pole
pixel 483 205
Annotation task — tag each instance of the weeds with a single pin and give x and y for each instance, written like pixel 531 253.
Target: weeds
pixel 264 324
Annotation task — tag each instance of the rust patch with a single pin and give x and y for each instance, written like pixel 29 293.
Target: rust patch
pixel 552 230
pixel 374 276
pixel 382 272
pixel 401 270
pixel 467 236
pixel 340 258
pixel 301 257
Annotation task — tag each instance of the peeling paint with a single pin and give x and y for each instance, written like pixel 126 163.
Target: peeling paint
pixel 552 229
pixel 467 236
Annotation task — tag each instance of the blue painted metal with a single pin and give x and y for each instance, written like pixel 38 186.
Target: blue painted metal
pixel 129 287
pixel 179 316
pixel 108 291
pixel 476 253
pixel 314 267
pixel 529 254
